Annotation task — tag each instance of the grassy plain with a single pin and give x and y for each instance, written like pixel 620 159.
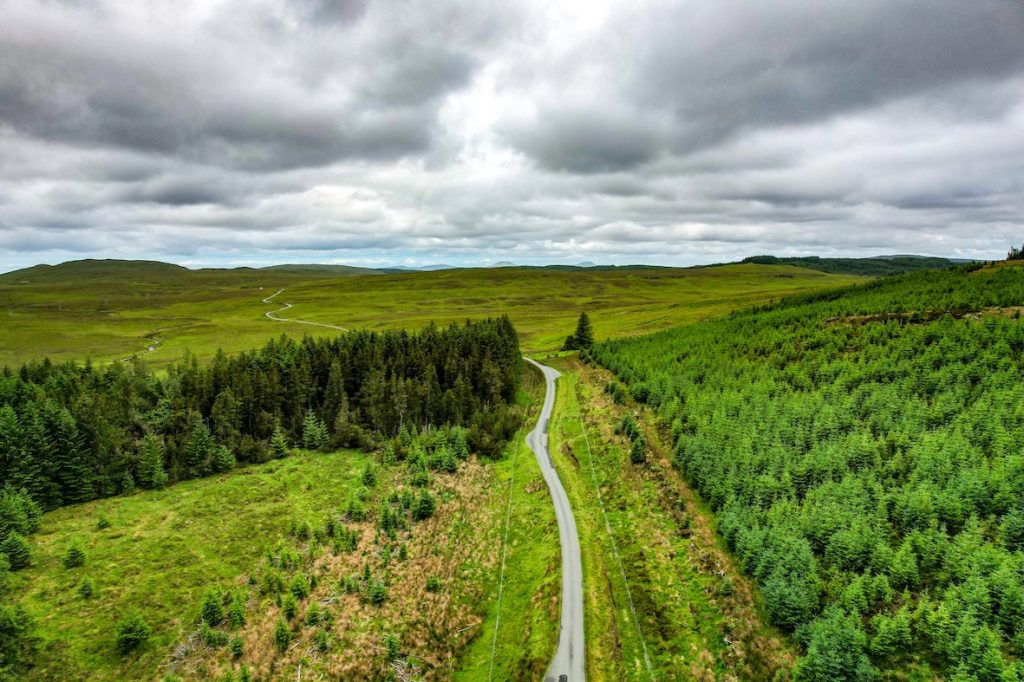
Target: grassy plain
pixel 110 313
pixel 655 603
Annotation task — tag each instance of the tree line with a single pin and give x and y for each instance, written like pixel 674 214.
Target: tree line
pixel 74 432
pixel 862 449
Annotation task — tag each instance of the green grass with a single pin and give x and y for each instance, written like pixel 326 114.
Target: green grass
pixel 665 558
pixel 527 631
pixel 108 313
pixel 162 551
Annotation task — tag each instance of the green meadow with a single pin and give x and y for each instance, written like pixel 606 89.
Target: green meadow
pixel 106 312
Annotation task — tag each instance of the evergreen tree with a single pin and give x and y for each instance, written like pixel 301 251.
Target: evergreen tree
pixel 282 635
pixel 278 443
pixel 18 644
pixel 835 652
pixel 16 548
pixel 132 633
pixel 71 469
pixel 584 335
pixel 222 459
pixel 213 608
pixel 19 513
pixel 151 463
pixel 638 451
pixel 424 507
pixel 583 338
pixel 200 445
pixel 75 556
pixel 313 432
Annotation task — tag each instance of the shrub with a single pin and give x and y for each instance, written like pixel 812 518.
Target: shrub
pixel 299 586
pixel 638 451
pixel 213 638
pixel 16 548
pixel 282 635
pixel 18 512
pixel 213 609
pixel 289 606
pixel 322 641
pixel 425 506
pixel 5 574
pixel 74 557
pixel 433 584
pixel 132 633
pixel 377 593
pixel 17 642
pixel 391 646
pixel 236 611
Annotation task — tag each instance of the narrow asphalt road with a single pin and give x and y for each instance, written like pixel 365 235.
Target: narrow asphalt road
pixel 569 662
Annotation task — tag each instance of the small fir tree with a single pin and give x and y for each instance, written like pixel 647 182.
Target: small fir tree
pixel 278 443
pixel 132 633
pixel 151 463
pixel 16 548
pixel 74 557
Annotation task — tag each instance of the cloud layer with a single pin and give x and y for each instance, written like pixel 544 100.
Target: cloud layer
pixel 370 131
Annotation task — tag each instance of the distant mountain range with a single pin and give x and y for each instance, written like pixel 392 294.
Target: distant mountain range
pixel 157 271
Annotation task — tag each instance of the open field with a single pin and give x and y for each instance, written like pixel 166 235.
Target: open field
pixel 109 314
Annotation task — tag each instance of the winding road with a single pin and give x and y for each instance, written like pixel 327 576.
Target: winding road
pixel 272 315
pixel 570 657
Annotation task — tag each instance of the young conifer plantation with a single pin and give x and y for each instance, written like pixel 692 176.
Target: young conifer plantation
pixel 864 452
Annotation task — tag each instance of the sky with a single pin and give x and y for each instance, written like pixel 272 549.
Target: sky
pixel 370 132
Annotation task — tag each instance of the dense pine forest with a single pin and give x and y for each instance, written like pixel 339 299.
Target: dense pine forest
pixel 74 432
pixel 864 451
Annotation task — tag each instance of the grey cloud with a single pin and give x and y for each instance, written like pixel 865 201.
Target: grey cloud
pixel 242 102
pixel 721 68
pixel 587 141
pixel 675 132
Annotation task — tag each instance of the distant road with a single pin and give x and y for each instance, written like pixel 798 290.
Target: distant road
pixel 569 661
pixel 272 315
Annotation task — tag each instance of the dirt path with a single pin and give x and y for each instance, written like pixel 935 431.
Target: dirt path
pixel 273 315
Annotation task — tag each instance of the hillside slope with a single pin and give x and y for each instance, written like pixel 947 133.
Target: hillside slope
pixel 862 451
pixel 110 318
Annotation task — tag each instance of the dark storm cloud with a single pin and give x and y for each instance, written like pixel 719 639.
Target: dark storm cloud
pixel 248 97
pixel 722 67
pixel 672 131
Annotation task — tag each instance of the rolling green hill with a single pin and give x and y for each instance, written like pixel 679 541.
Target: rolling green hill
pixel 110 310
